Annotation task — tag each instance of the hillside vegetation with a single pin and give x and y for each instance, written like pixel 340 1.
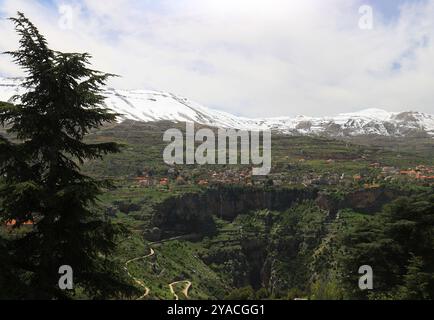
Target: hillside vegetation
pixel 354 208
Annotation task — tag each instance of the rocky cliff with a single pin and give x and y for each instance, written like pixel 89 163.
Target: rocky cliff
pixel 193 212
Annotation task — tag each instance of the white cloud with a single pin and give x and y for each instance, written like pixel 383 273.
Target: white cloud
pixel 250 57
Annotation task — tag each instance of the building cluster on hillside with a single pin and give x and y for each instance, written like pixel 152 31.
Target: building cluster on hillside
pixel 147 181
pixel 243 176
pixel 232 177
pixel 421 172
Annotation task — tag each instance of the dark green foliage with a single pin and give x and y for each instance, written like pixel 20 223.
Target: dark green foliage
pixel 398 245
pixel 418 281
pixel 246 293
pixel 41 177
pixel 295 238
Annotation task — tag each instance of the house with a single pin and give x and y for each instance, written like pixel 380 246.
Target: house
pixel 144 181
pixel 164 182
pixel 13 222
pixel 408 173
pixel 203 183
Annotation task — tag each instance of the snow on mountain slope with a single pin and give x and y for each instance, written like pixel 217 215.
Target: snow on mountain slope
pixel 143 105
pixel 148 106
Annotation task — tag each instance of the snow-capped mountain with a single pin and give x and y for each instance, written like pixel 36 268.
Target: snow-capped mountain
pixel 149 106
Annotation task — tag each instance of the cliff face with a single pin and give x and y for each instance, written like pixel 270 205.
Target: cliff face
pixel 365 201
pixel 192 213
pixel 253 261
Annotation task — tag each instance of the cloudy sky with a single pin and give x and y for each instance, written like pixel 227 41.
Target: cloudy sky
pixel 250 57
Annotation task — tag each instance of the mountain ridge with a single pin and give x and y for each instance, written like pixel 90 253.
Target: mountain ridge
pixel 150 106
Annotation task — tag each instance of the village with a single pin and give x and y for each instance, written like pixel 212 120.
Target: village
pixel 371 177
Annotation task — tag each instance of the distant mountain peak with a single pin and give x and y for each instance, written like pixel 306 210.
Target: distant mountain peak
pixel 150 106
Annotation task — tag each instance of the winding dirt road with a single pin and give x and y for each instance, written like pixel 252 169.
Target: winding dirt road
pixel 171 286
pixel 138 281
pixel 184 292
